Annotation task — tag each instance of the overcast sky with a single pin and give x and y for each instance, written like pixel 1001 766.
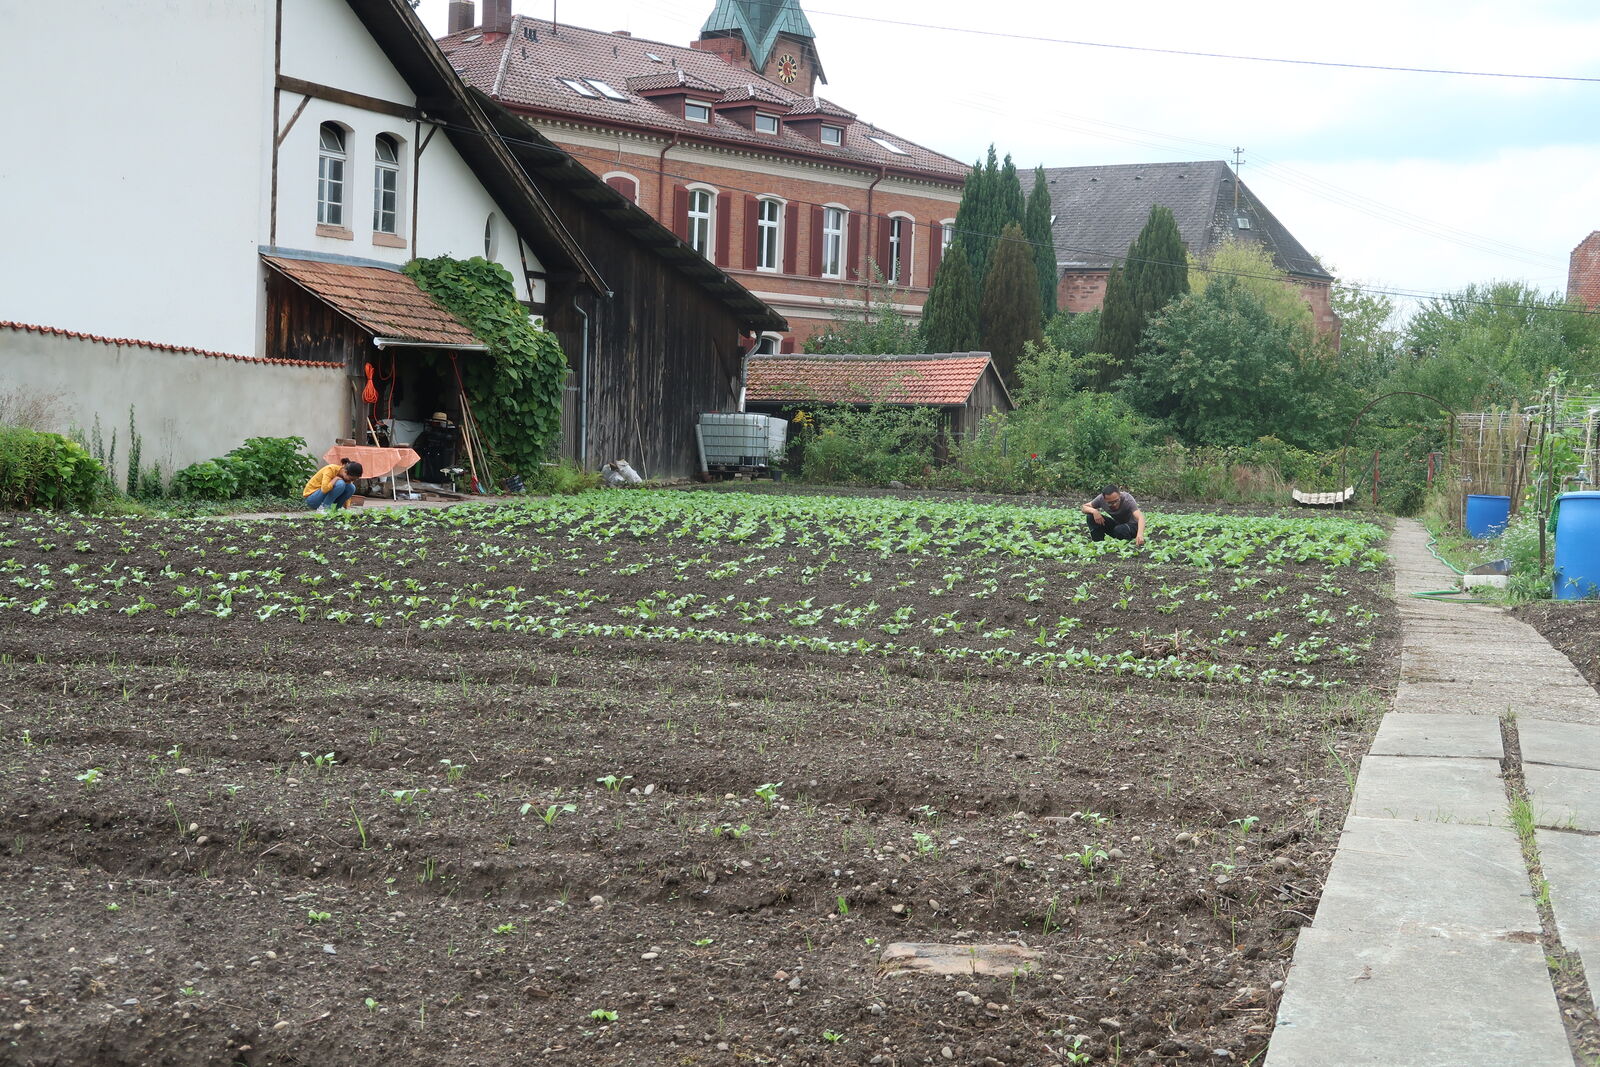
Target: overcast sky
pixel 1419 182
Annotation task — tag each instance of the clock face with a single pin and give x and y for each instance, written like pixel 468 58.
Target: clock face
pixel 788 68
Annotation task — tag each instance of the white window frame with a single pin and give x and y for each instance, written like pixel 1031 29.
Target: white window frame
pixel 580 87
pixel 831 135
pixel 835 239
pixel 763 117
pixel 605 89
pixel 897 269
pixel 608 175
pixel 332 164
pixel 890 145
pixel 769 232
pixel 702 106
pixel 700 228
pixel 386 217
pixel 947 233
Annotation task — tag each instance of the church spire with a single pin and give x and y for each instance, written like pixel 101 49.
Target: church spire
pixel 775 40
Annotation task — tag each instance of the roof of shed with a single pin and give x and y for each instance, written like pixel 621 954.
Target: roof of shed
pixel 945 380
pixel 384 302
pixel 1100 210
pixel 525 69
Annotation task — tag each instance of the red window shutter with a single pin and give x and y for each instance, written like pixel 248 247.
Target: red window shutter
pixel 790 236
pixel 855 246
pixel 722 222
pixel 816 241
pixel 752 229
pixel 788 344
pixel 680 212
pixel 880 252
pixel 626 186
pixel 935 249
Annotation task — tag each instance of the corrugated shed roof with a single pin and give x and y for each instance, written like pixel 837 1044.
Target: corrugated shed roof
pixel 935 380
pixel 1100 210
pixel 525 68
pixel 384 302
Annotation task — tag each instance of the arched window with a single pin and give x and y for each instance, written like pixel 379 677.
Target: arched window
pixel 330 175
pixel 897 249
pixel 386 185
pixel 701 211
pixel 491 238
pixel 626 184
pixel 833 241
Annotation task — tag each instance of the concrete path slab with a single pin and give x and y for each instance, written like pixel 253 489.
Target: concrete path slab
pixel 1560 744
pixel 1386 873
pixel 1425 789
pixel 1564 797
pixel 1422 1002
pixel 1438 735
pixel 1571 865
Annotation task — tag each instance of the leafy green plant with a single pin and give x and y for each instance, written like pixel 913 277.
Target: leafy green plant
pixel 209 479
pixel 46 470
pixel 603 1015
pixel 270 466
pixel 768 793
pixel 516 393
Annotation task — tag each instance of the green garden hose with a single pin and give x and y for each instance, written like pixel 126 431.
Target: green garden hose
pixel 1448 596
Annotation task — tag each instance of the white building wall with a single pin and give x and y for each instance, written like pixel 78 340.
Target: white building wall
pixel 136 137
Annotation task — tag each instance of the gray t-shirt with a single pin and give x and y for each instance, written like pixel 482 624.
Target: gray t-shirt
pixel 1123 514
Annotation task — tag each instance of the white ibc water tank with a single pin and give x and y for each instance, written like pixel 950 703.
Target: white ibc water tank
pixel 736 439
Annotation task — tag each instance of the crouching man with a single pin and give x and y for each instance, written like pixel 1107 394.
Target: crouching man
pixel 1114 514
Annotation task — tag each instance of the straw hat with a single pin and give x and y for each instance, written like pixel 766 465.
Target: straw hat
pixel 439 416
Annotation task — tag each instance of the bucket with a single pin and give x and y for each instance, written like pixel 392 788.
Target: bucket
pixel 1487 516
pixel 1577 545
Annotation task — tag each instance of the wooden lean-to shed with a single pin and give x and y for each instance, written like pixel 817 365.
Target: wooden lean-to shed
pixel 963 386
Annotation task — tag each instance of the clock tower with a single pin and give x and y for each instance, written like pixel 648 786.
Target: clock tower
pixel 773 38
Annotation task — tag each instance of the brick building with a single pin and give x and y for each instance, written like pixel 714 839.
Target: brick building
pixel 1098 211
pixel 726 142
pixel 1583 272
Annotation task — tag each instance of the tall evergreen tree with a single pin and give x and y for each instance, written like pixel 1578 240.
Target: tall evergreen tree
pixel 1036 224
pixel 1009 311
pixel 1156 271
pixel 950 317
pixel 1008 192
pixel 1116 332
pixel 975 218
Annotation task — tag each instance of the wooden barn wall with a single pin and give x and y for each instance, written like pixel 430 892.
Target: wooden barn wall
pixel 663 351
pixel 986 396
pixel 299 326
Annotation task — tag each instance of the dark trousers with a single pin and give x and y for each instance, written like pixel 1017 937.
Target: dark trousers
pixel 1122 531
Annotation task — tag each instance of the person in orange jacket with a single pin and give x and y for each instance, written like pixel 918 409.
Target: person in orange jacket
pixel 332 486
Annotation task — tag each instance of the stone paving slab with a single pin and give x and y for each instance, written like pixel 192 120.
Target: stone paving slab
pixel 1556 703
pixel 1421 1002
pixel 1565 797
pixel 1571 865
pixel 1423 789
pixel 1443 734
pixel 1386 873
pixel 1559 743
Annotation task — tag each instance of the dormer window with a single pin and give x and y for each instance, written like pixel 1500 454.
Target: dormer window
pixel 695 111
pixel 766 123
pixel 832 135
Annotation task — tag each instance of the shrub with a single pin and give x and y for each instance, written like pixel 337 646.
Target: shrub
pixel 270 466
pixel 560 479
pixel 46 470
pixel 872 445
pixel 209 479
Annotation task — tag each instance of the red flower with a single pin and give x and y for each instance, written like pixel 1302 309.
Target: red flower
pixel 1033 455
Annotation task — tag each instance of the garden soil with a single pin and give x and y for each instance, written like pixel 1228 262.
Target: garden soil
pixel 245 842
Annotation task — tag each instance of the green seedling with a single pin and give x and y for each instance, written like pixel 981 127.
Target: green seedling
pixel 843 905
pixel 313 916
pixel 453 772
pixel 601 1015
pixel 91 777
pixel 831 1037
pixel 549 815
pixel 506 928
pixel 702 942
pixel 614 784
pixel 768 792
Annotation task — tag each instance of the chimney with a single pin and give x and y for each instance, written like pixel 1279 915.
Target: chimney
pixel 1583 272
pixel 497 16
pixel 463 15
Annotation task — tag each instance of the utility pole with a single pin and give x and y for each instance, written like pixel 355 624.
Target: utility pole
pixel 1238 162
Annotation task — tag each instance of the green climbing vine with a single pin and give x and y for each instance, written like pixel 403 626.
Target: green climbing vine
pixel 516 393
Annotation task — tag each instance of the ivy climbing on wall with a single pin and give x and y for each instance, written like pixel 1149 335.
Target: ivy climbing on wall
pixel 516 392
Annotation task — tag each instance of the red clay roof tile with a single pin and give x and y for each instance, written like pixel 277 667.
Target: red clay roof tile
pixel 386 302
pixel 937 380
pixel 28 327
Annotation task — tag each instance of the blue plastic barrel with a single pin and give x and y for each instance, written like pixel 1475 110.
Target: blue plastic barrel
pixel 1487 516
pixel 1577 545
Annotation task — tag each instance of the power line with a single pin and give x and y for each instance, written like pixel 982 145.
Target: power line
pixel 1122 257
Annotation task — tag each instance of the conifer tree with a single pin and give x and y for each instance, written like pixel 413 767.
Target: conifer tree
pixel 975 218
pixel 1156 271
pixel 1036 224
pixel 1009 311
pixel 1116 333
pixel 950 317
